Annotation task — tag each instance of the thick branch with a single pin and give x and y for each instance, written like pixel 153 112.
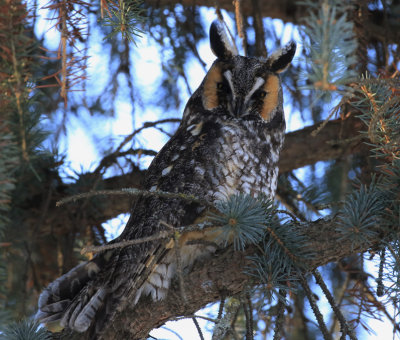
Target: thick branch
pixel 223 274
pixel 337 139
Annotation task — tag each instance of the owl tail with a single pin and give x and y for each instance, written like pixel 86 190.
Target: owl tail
pixel 89 295
pixel 72 300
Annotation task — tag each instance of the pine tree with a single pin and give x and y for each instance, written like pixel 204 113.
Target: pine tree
pixel 329 219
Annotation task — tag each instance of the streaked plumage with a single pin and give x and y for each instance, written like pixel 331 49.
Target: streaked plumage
pixel 228 142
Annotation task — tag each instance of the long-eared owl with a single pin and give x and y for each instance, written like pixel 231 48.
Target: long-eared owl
pixel 228 142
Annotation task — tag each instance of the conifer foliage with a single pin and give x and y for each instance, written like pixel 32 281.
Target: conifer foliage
pixel 332 234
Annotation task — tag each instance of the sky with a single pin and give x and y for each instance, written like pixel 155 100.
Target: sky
pixel 82 154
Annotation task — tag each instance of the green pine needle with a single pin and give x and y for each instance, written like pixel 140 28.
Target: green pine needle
pixel 332 47
pixel 25 330
pixel 246 220
pixel 242 218
pixel 378 105
pixel 272 277
pixel 125 19
pixel 283 254
pixel 361 214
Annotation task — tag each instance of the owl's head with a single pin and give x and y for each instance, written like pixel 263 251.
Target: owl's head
pixel 246 88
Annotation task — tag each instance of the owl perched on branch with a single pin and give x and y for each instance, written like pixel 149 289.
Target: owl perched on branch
pixel 228 142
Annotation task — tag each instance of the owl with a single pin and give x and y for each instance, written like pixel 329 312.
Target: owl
pixel 228 142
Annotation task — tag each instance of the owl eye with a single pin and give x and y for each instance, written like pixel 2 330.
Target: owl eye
pixel 262 94
pixel 223 87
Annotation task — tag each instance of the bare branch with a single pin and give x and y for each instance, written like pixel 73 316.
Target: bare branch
pixel 198 328
pixel 97 249
pixel 114 155
pixel 280 317
pixel 261 50
pixel 345 328
pixel 315 309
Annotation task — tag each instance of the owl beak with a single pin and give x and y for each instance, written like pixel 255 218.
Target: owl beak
pixel 237 111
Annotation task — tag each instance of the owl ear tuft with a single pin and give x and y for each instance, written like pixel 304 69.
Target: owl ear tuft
pixel 220 44
pixel 280 60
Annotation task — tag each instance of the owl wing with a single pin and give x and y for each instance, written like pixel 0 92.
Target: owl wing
pixel 97 289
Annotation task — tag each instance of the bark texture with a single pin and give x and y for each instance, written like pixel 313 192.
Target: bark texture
pixel 337 139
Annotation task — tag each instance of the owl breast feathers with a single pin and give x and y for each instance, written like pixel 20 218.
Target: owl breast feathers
pixel 228 142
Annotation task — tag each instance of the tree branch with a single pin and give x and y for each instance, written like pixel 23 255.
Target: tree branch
pixel 290 11
pixel 337 139
pixel 223 275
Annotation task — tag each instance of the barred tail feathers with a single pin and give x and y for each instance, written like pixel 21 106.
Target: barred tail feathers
pixel 85 294
pixel 90 295
pixel 60 295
